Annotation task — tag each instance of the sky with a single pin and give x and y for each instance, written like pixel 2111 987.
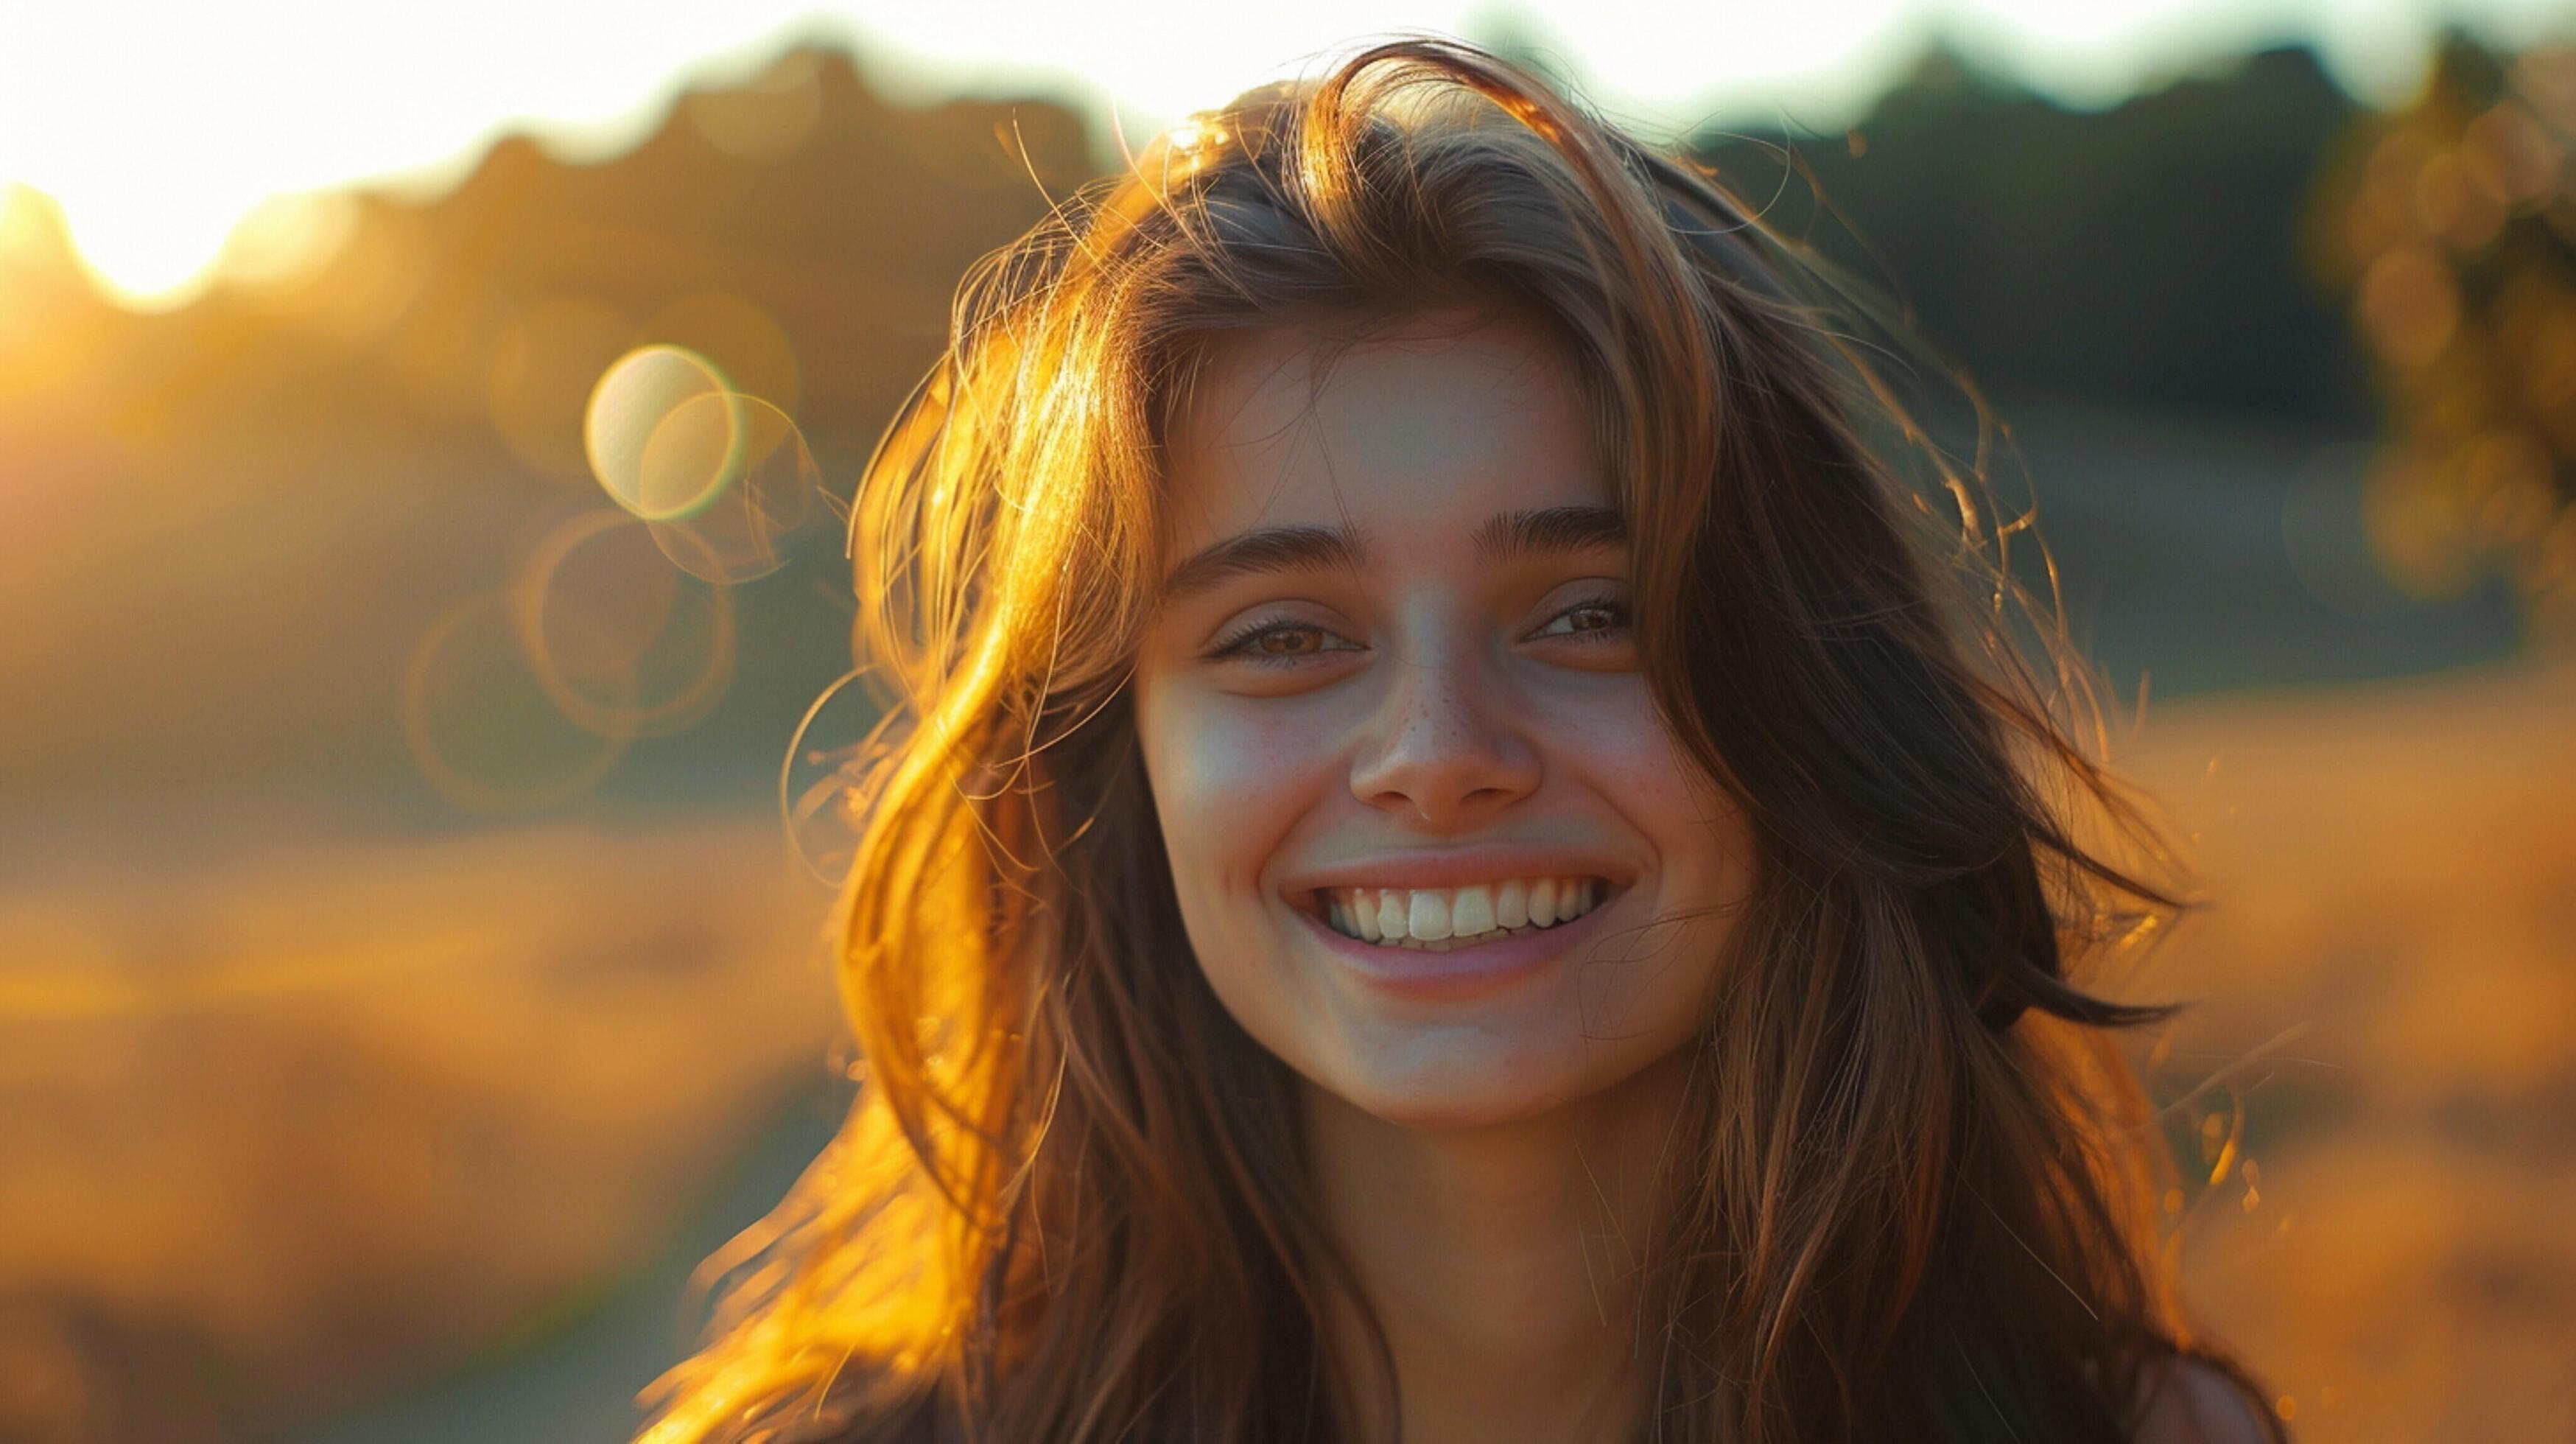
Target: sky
pixel 157 129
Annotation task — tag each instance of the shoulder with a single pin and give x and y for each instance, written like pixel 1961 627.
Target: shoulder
pixel 2193 1401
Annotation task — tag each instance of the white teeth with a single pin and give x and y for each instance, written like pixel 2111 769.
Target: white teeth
pixel 1429 917
pixel 1439 919
pixel 1473 912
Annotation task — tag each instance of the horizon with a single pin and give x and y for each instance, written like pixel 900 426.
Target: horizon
pixel 149 221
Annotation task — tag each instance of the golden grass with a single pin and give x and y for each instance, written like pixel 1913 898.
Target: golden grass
pixel 284 1132
pixel 2391 868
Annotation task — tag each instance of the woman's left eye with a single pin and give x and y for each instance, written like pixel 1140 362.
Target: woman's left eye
pixel 1595 620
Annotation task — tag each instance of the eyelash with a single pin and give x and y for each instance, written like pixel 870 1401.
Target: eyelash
pixel 1238 645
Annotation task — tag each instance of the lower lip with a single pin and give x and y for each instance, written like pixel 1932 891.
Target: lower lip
pixel 1419 973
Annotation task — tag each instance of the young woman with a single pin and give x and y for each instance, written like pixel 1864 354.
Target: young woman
pixel 1453 861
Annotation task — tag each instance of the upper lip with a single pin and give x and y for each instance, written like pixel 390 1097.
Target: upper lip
pixel 1459 867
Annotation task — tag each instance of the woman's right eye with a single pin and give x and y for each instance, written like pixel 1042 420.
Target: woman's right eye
pixel 1278 643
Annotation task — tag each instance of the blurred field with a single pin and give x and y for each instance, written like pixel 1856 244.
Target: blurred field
pixel 301 1130
pixel 2391 868
pixel 283 1134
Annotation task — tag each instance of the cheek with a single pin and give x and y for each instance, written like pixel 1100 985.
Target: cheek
pixel 1702 841
pixel 1231 780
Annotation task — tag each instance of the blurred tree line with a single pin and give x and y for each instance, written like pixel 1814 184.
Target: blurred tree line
pixel 2146 254
pixel 2253 243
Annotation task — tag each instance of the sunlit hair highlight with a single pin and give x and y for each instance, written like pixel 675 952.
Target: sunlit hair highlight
pixel 1909 1198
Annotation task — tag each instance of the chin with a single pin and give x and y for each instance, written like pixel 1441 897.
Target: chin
pixel 1445 1091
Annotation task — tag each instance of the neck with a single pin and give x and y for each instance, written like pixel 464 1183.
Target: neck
pixel 1500 1260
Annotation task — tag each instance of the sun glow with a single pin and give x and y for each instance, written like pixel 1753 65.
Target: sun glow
pixel 157 253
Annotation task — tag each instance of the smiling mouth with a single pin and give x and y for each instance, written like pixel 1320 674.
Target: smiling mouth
pixel 1441 919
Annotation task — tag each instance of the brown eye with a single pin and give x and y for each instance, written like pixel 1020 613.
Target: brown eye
pixel 1587 621
pixel 1276 642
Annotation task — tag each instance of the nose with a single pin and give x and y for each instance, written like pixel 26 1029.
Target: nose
pixel 1442 752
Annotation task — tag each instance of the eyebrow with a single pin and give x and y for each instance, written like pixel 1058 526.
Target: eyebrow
pixel 1507 536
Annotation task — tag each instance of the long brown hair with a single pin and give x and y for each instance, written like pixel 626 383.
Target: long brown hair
pixel 1910 1193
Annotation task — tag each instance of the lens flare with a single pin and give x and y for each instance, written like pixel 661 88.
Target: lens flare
pixel 626 414
pixel 744 529
pixel 623 645
pixel 481 728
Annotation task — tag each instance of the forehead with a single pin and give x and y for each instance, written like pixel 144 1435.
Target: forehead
pixel 1438 421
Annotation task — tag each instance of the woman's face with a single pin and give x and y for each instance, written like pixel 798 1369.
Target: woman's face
pixel 1433 843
